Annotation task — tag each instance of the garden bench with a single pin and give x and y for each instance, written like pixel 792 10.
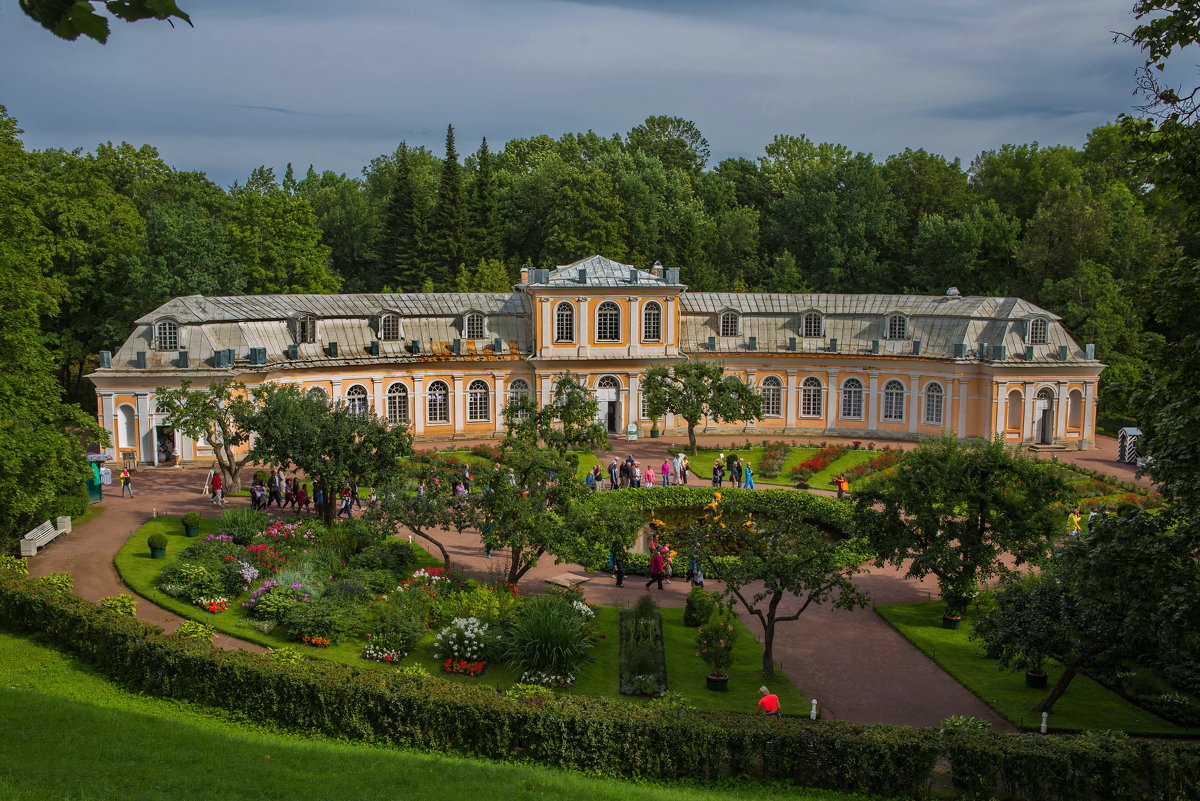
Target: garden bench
pixel 43 534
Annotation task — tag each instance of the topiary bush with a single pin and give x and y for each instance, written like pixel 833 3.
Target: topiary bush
pixel 700 606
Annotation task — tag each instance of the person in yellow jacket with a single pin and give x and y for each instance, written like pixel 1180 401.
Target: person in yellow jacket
pixel 1074 524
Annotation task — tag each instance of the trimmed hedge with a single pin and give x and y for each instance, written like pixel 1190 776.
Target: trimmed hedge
pixel 778 503
pixel 589 734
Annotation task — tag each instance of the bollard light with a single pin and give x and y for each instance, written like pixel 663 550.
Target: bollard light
pixel 154 513
pixel 812 714
pixel 1045 715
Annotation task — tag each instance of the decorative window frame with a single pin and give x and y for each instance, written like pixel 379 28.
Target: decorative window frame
pixel 848 409
pixel 804 327
pixel 559 308
pixel 652 305
pixel 443 417
pixel 167 335
pixel 397 403
pixel 479 401
pixel 722 315
pixel 934 396
pixel 771 392
pixel 890 326
pixel 315 391
pixel 382 319
pixel 357 403
pixel 465 328
pixel 1037 331
pixel 512 392
pixel 807 390
pixel 893 401
pixel 608 307
pixel 305 327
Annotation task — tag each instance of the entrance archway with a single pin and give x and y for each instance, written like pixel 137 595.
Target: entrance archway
pixel 608 397
pixel 1043 410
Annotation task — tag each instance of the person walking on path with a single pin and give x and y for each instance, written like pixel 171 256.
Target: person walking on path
pixel 218 485
pixel 619 567
pixel 843 486
pixel 736 473
pixel 677 469
pixel 614 474
pixel 126 482
pixel 1074 523
pixel 649 476
pixel 275 489
pixel 666 473
pixel 683 470
pixel 769 703
pixel 718 473
pixel 747 477
pixel 657 563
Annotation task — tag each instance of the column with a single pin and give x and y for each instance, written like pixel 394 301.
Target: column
pixel 831 400
pixel 635 399
pixel 545 336
pixel 960 395
pixel 872 410
pixel 1000 416
pixel 498 396
pixel 377 395
pixel 1060 411
pixel 460 408
pixel 147 447
pixel 914 402
pixel 547 391
pixel 789 400
pixel 1089 410
pixel 1027 424
pixel 336 397
pixel 108 417
pixel 582 319
pixel 669 342
pixel 418 404
pixel 635 312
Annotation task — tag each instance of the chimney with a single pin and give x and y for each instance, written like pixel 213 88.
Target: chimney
pixel 656 269
pixel 524 275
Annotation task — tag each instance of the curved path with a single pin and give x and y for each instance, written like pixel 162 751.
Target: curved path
pixel 854 663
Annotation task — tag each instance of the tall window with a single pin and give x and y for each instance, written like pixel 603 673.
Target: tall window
pixel 166 335
pixel 518 388
pixel 564 322
pixel 810 397
pixel 729 324
pixel 1037 331
pixel 897 327
pixel 437 403
pixel 814 325
pixel 852 399
pixel 356 399
pixel 934 403
pixel 893 401
pixel 652 322
pixel 473 326
pixel 306 329
pixel 608 322
pixel 389 327
pixel 477 402
pixel 397 403
pixel 772 395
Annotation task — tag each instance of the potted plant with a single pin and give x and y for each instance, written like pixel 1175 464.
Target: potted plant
pixel 191 524
pixel 158 545
pixel 714 645
pixel 654 429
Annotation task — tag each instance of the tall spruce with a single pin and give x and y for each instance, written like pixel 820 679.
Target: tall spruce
pixel 484 210
pixel 399 251
pixel 447 238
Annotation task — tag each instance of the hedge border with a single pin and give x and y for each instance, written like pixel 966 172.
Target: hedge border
pixel 591 734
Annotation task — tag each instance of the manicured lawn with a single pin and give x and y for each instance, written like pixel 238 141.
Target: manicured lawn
pixel 821 480
pixel 83 737
pixel 702 463
pixel 685 673
pixel 1086 704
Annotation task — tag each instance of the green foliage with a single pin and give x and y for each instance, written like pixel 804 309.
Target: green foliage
pixel 122 604
pixel 715 641
pixel 642 660
pixel 591 735
pixel 568 422
pixel 955 508
pixel 190 580
pixel 14 564
pixel 190 520
pixel 700 606
pixel 243 523
pixel 695 390
pixel 547 642
pixel 195 630
pixel 215 414
pixel 330 619
pixel 79 18
pixel 157 540
pixel 63 582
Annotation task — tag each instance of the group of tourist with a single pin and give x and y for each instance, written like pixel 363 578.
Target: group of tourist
pixel 286 493
pixel 738 472
pixel 630 474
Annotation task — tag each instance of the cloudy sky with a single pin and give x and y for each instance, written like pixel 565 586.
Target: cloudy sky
pixel 334 84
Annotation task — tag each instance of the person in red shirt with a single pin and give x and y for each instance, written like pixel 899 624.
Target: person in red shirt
pixel 769 703
pixel 217 482
pixel 657 566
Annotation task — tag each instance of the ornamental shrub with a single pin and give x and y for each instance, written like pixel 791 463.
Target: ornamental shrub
pixel 326 619
pixel 63 582
pixel 122 604
pixel 188 580
pixel 394 556
pixel 195 629
pixel 13 564
pixel 714 643
pixel 212 550
pixel 547 642
pixel 191 519
pixel 465 638
pixel 699 608
pixel 242 523
pixel 157 540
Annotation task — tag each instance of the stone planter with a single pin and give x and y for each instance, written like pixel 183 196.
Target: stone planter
pixel 717 682
pixel 951 621
pixel 1035 679
pixel 158 553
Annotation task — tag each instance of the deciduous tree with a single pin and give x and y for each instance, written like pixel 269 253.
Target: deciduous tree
pixel 695 390
pixel 568 422
pixel 217 414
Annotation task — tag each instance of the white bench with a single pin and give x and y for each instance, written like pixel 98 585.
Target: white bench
pixel 43 534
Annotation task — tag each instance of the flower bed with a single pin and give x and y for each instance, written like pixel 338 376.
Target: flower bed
pixel 463 667
pixel 642 660
pixel 816 463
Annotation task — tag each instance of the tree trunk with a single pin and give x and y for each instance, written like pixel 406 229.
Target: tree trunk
pixel 230 469
pixel 440 547
pixel 769 646
pixel 1056 691
pixel 692 436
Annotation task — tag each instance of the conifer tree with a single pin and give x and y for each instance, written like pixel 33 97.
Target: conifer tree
pixel 399 251
pixel 484 210
pixel 446 231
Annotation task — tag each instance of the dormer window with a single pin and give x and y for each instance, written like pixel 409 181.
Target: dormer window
pixel 897 327
pixel 166 335
pixel 306 328
pixel 473 326
pixel 813 325
pixel 608 322
pixel 389 327
pixel 1037 331
pixel 729 324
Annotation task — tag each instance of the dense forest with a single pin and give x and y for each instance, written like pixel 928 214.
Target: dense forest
pixel 1076 231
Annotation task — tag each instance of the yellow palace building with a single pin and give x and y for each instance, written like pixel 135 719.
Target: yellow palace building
pixel 862 366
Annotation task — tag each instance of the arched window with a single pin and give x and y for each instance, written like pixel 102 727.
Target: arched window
pixel 897 327
pixel 608 382
pixel 437 403
pixel 166 335
pixel 852 399
pixel 1037 331
pixel 1075 409
pixel 934 403
pixel 1016 411
pixel 397 403
pixel 518 388
pixel 317 392
pixel 564 322
pixel 772 395
pixel 306 328
pixel 810 397
pixel 473 326
pixel 608 322
pixel 814 325
pixel 652 322
pixel 389 327
pixel 893 401
pixel 126 426
pixel 356 399
pixel 477 401
pixel 729 324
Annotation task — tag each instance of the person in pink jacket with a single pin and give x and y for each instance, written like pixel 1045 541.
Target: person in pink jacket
pixel 666 473
pixel 657 564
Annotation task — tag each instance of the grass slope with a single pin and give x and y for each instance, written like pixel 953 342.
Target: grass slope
pixel 83 738
pixel 1086 704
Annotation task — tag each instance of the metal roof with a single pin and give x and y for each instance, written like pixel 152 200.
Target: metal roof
pixel 598 271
